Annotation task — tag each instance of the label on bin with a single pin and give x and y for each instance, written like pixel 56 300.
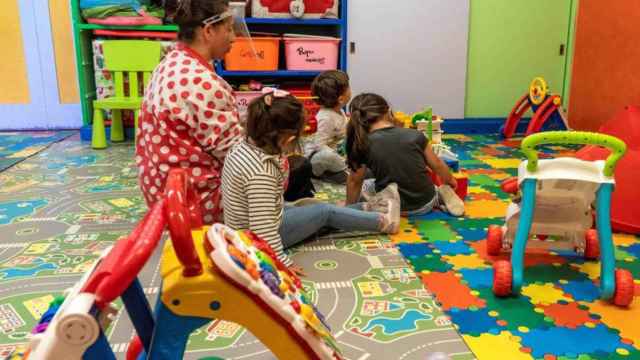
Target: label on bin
pixel 308 56
pixel 250 54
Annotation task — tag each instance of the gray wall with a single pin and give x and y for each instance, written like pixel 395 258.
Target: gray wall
pixel 413 52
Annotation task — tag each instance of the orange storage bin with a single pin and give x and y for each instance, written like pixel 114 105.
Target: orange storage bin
pixel 241 57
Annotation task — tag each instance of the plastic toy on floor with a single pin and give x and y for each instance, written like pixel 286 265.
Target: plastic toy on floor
pixel 547 110
pixel 556 199
pixel 431 125
pixel 207 273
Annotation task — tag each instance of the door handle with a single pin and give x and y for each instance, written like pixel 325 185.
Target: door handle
pixel 352 47
pixel 561 49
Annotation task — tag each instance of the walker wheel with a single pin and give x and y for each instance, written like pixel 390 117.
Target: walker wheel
pixel 592 245
pixel 510 186
pixel 134 349
pixel 502 278
pixel 625 288
pixel 494 240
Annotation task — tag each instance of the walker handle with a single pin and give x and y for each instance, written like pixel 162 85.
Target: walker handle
pixel 618 147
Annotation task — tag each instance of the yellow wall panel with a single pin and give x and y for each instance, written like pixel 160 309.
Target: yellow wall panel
pixel 14 84
pixel 64 53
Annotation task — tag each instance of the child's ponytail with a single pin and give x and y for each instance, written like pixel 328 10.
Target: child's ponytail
pixel 366 109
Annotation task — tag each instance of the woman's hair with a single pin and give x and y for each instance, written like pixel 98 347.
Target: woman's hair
pixel 270 116
pixel 366 109
pixel 189 14
pixel 329 86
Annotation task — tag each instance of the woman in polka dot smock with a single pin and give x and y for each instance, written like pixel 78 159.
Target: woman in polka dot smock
pixel 189 118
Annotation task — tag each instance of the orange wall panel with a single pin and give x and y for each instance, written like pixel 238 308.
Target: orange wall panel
pixel 14 83
pixel 62 34
pixel 606 64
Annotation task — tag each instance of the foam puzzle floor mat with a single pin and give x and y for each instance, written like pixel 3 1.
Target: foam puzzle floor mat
pixel 61 208
pixel 558 315
pixel 17 146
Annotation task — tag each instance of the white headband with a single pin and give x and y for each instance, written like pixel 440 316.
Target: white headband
pixel 217 18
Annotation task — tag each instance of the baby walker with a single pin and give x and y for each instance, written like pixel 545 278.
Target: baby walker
pixel 556 200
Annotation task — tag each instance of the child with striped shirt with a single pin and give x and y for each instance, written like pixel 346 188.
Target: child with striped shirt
pixel 253 183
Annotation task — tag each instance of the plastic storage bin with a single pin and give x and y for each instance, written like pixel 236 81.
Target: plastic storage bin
pixel 243 98
pixel 242 58
pixel 313 9
pixel 311 107
pixel 311 53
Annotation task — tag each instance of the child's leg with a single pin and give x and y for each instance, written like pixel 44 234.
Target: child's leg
pixel 327 161
pixel 301 222
pixel 427 208
pixel 300 174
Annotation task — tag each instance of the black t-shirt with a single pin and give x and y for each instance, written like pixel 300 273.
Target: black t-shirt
pixel 396 155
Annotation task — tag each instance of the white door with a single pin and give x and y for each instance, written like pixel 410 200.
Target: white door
pixel 413 52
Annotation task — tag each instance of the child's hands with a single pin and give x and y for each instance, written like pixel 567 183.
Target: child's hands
pixel 297 270
pixel 452 182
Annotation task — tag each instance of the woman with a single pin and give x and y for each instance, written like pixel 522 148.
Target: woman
pixel 189 118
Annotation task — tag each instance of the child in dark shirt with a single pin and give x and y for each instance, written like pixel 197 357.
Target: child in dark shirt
pixel 395 155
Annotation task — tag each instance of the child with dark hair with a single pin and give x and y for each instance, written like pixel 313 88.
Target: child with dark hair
pixel 253 183
pixel 332 91
pixel 188 118
pixel 395 155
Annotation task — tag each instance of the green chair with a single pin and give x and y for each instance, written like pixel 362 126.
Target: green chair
pixel 137 59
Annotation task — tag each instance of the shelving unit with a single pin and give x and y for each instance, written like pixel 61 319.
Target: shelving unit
pixel 83 36
pixel 327 27
pixel 275 74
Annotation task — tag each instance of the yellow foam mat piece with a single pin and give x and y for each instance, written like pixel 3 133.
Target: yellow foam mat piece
pixel 485 209
pixel 502 346
pixel 591 269
pixel 624 239
pixel 503 163
pixel 472 261
pixel 407 233
pixel 545 294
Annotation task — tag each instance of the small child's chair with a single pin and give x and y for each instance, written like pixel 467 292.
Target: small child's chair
pixel 133 57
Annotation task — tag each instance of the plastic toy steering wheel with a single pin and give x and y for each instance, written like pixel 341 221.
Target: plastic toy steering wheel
pixel 618 147
pixel 538 90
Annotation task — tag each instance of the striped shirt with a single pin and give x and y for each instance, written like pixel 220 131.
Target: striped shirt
pixel 252 189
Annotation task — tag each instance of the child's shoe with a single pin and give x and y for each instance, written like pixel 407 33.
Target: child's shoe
pixel 391 212
pixel 368 191
pixel 449 201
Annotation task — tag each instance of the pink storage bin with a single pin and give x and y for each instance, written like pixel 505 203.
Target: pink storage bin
pixel 243 98
pixel 311 53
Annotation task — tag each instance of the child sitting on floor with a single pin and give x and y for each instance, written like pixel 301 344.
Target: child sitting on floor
pixel 395 155
pixel 332 92
pixel 253 184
